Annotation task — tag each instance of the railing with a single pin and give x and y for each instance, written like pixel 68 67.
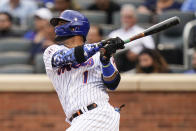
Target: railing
pixel 186 40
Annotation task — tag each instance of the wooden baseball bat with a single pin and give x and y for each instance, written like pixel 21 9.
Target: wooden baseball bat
pixel 152 30
pixel 156 28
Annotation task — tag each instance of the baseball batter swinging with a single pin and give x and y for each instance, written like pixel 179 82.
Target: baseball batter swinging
pixel 81 74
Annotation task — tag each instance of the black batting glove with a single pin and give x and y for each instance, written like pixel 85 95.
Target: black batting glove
pixel 106 53
pixel 119 43
pixel 110 47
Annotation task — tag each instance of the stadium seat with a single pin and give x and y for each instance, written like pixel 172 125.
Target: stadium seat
pixel 16 69
pixel 30 22
pixel 135 3
pixel 144 18
pixel 16 21
pixel 19 31
pixel 84 4
pixel 116 19
pixel 95 17
pixel 107 29
pixel 170 42
pixel 14 44
pixel 39 64
pixel 9 58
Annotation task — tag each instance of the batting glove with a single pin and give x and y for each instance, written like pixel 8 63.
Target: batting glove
pixel 109 48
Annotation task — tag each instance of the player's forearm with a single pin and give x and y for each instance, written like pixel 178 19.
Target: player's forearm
pixel 110 76
pixel 75 55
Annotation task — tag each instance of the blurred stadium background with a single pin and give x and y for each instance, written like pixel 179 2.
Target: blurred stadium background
pixel 154 102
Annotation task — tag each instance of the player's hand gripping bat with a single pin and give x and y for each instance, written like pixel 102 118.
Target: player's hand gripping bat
pixel 152 30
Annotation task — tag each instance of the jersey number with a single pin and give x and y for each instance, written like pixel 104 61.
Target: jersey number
pixel 85 77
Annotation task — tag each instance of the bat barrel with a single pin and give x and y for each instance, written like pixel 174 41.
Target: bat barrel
pixel 156 28
pixel 162 26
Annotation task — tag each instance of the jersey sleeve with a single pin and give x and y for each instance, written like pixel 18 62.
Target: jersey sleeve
pixel 47 57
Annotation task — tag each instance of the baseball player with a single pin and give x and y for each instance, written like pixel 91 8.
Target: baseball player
pixel 81 74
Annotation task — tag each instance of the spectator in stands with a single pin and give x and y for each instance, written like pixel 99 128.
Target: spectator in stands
pixel 150 61
pixel 126 59
pixel 95 34
pixel 6 29
pixel 158 6
pixel 47 3
pixel 43 35
pixel 19 9
pixel 107 6
pixel 189 5
pixel 193 71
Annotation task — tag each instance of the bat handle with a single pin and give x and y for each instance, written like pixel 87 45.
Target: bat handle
pixel 140 35
pixel 127 41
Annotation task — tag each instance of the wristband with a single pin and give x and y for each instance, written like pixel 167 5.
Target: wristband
pixel 108 70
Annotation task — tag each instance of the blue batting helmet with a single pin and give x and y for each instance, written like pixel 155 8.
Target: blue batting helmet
pixel 77 24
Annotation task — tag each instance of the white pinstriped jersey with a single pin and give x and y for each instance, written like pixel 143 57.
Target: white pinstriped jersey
pixel 80 86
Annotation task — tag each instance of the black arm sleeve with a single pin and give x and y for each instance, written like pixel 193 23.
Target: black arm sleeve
pixel 79 54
